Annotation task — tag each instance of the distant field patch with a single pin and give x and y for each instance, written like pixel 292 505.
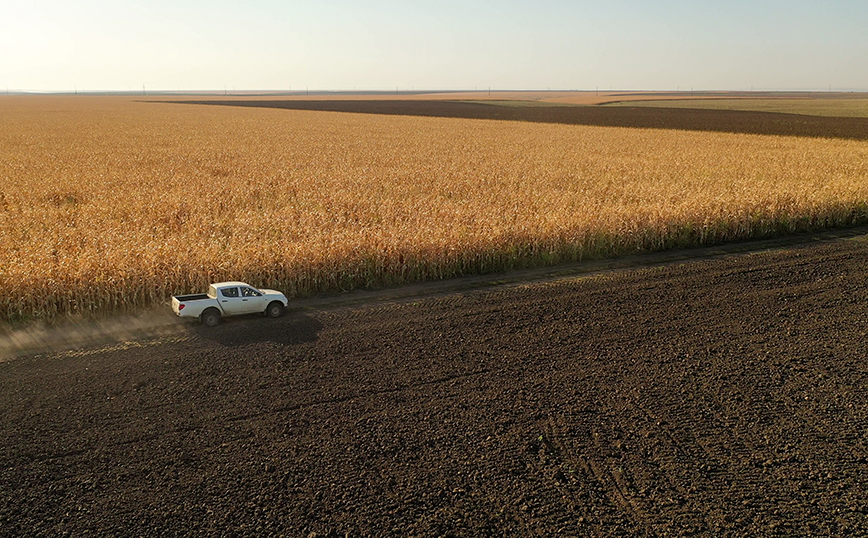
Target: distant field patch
pixel 517 103
pixel 840 108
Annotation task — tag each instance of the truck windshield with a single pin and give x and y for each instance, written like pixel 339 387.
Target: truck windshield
pixel 212 292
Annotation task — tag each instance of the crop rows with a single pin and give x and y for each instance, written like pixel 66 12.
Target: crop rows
pixel 109 204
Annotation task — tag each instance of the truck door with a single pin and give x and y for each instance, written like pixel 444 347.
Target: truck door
pixel 230 300
pixel 252 300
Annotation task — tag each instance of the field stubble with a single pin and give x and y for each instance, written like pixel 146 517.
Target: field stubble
pixel 107 204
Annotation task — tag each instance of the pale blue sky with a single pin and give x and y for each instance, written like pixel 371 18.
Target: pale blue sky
pixel 90 45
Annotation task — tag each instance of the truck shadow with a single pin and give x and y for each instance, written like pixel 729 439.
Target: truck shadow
pixel 292 328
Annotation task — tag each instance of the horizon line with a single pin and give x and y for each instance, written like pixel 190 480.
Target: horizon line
pixel 398 91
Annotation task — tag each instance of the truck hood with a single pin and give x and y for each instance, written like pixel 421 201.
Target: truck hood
pixel 271 292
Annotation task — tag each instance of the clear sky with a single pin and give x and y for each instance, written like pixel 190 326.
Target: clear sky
pixel 91 45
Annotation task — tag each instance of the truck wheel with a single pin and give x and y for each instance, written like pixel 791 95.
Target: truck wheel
pixel 210 318
pixel 274 310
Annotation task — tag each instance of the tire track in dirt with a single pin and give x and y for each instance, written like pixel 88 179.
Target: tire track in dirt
pixel 361 395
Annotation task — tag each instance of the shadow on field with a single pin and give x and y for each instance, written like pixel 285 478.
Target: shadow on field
pixel 293 328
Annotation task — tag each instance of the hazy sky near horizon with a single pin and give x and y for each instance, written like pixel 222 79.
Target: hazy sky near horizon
pixel 94 45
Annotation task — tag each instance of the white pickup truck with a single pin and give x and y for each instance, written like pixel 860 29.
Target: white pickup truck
pixel 229 299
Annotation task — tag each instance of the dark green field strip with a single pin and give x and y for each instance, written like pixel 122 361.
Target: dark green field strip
pixel 727 121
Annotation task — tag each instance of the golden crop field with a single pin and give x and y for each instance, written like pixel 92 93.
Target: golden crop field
pixel 107 203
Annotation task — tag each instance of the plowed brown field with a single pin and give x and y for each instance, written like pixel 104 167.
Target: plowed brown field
pixel 721 397
pixel 726 121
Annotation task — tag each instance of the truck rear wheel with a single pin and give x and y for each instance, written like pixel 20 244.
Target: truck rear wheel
pixel 274 310
pixel 210 317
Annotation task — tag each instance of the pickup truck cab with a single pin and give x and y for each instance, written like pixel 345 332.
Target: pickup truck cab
pixel 229 299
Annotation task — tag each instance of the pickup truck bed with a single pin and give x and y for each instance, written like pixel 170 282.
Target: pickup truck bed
pixel 193 297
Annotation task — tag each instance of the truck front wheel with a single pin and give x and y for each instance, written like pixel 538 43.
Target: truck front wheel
pixel 274 310
pixel 210 318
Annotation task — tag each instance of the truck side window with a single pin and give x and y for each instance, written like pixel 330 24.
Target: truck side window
pixel 229 292
pixel 250 292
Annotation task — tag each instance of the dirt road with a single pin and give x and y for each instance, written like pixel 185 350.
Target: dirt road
pixel 719 397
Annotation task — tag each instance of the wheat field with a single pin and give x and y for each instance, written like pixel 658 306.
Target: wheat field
pixel 112 204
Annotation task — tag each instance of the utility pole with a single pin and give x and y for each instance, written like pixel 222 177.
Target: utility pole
pixel 143 90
